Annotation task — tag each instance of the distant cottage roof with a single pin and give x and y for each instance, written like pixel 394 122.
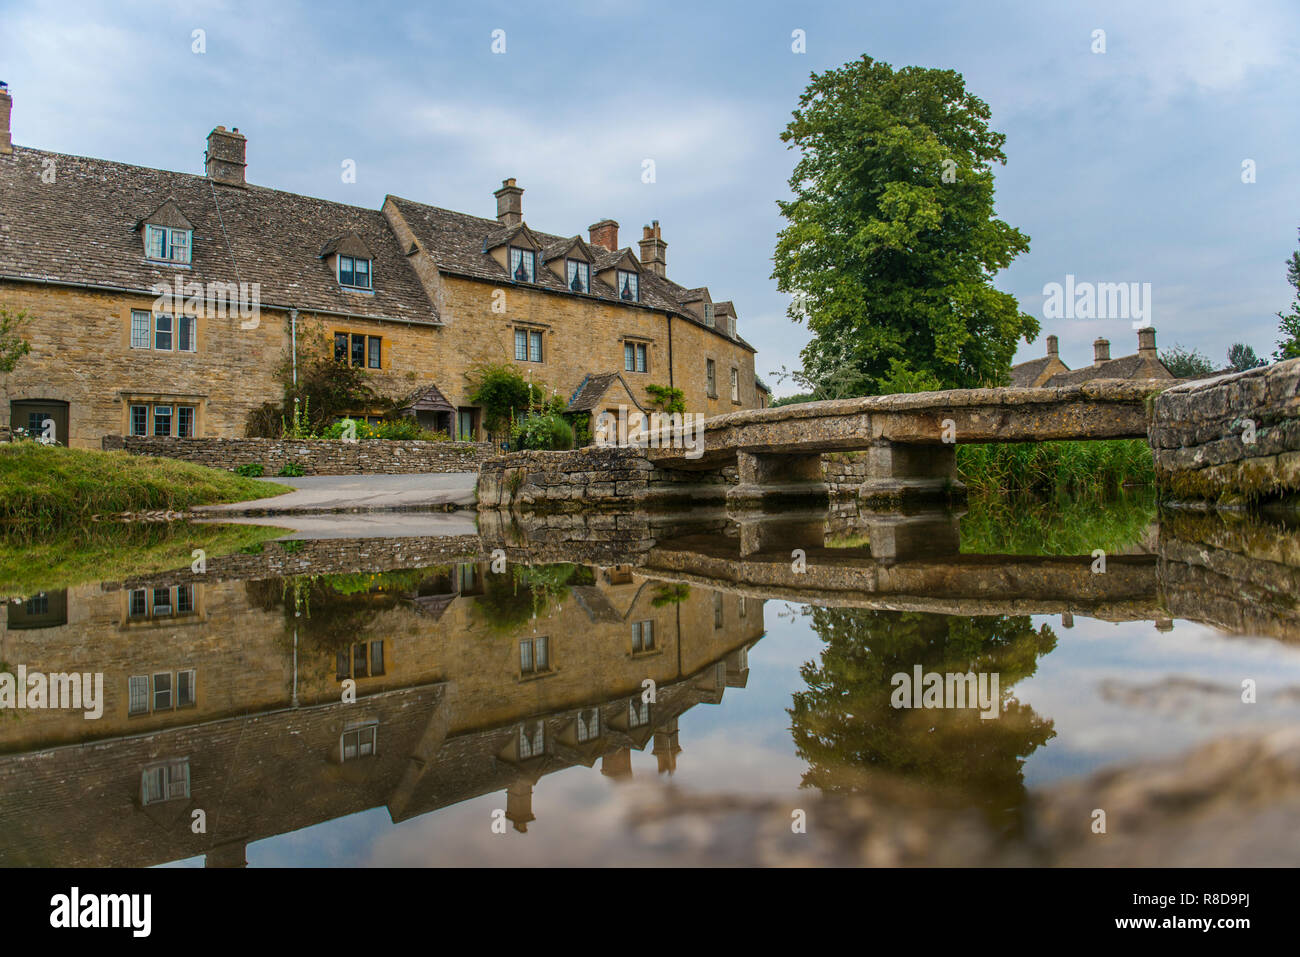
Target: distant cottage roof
pixel 1125 367
pixel 1025 374
pixel 427 399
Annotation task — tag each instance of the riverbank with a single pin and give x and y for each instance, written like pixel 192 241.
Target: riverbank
pixel 1056 467
pixel 48 489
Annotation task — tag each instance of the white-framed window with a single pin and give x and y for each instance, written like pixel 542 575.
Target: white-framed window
pixel 185 333
pixel 354 272
pixel 710 378
pixel 731 326
pixel 532 739
pixel 528 345
pixel 708 314
pixel 534 656
pixel 167 245
pixel 162 332
pixel 735 385
pixel 628 285
pixel 162 420
pixel 166 781
pixel 161 691
pixel 160 602
pixel 139 420
pixel 577 275
pixel 635 357
pixel 638 712
pixel 588 725
pixel 173 420
pixel 359 741
pixel 140 323
pixel 643 636
pixel 523 264
pixel 137 687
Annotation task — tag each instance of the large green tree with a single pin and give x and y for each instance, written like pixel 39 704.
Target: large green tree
pixel 1288 347
pixel 892 244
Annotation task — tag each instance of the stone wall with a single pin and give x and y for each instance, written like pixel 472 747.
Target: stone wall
pixel 315 456
pixel 1232 439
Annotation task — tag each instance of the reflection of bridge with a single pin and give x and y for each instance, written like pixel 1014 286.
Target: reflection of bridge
pixel 910 439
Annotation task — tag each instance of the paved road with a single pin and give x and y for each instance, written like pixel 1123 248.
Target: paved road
pixel 333 493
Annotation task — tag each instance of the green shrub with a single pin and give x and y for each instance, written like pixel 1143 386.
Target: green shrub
pixel 665 398
pixel 291 470
pixel 546 430
pixel 249 470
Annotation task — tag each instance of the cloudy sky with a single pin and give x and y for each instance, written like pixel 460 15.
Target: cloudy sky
pixel 1123 166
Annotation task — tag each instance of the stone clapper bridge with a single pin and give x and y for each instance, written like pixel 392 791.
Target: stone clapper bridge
pixel 773 458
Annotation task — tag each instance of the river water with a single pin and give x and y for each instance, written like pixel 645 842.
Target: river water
pixel 598 689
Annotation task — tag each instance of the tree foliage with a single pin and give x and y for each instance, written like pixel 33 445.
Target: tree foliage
pixel 891 242
pixel 1242 357
pixel 503 393
pixel 1186 363
pixel 1288 347
pixel 12 345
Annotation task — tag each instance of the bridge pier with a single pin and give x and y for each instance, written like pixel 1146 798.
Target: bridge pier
pixel 778 480
pixel 910 472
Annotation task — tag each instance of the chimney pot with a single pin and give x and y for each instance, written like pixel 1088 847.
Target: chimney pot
pixel 510 203
pixel 1053 346
pixel 224 160
pixel 1147 342
pixel 605 234
pixel 1100 351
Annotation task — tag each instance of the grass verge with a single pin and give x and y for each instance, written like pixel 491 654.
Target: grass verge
pixel 1025 524
pixel 47 489
pixel 1054 467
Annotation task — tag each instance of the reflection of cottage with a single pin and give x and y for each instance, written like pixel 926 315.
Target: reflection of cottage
pixel 1051 372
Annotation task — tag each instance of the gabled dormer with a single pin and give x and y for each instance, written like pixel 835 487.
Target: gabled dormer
pixel 351 261
pixel 516 250
pixel 622 272
pixel 699 303
pixel 570 259
pixel 168 235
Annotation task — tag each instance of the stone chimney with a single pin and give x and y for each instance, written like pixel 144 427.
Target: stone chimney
pixel 519 805
pixel 653 255
pixel 510 203
pixel 666 747
pixel 1053 347
pixel 1100 351
pixel 617 764
pixel 604 233
pixel 1147 343
pixel 6 108
pixel 224 159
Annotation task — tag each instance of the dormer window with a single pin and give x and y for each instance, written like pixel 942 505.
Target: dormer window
pixel 166 244
pixel 708 314
pixel 354 272
pixel 629 286
pixel 731 326
pixel 578 275
pixel 523 264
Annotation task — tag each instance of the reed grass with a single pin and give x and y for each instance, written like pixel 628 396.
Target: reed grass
pixel 1054 467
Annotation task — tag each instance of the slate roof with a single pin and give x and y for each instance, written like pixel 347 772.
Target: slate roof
pixel 593 387
pixel 427 399
pixel 81 229
pixel 458 243
pixel 1125 367
pixel 1023 374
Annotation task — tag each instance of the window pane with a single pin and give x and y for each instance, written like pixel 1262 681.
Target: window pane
pixel 137 694
pixel 640 358
pixel 162 332
pixel 341 346
pixel 185 334
pixel 535 347
pixel 139 604
pixel 361 272
pixel 522 262
pixel 376 658
pixel 521 345
pixel 151 785
pixel 180 245
pixel 184 688
pixel 526 656
pixel 373 356
pixel 359 661
pixel 358 350
pixel 139 420
pixel 139 330
pixel 185 422
pixel 627 356
pixel 628 288
pixel 162 420
pixel 184 598
pixel 162 691
pixel 345 271
pixel 540 653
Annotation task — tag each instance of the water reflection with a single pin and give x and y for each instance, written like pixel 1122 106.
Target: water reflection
pixel 295 683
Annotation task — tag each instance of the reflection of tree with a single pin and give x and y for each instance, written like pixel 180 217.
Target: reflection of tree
pixel 528 591
pixel 845 726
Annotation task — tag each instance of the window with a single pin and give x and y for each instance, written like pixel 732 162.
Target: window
pixel 139 329
pixel 162 420
pixel 578 275
pixel 165 782
pixel 643 636
pixel 364 659
pixel 185 421
pixel 710 379
pixel 185 333
pixel 528 345
pixel 708 314
pixel 731 326
pixel 139 420
pixel 162 333
pixel 638 712
pixel 167 245
pixel 628 286
pixel 358 349
pixel 162 691
pixel 359 741
pixel 588 725
pixel 523 264
pixel 137 694
pixel 634 356
pixel 354 272
pixel 735 385
pixel 717 609
pixel 534 656
pixel 165 603
pixel 532 739
pixel 38 605
pixel 136 605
